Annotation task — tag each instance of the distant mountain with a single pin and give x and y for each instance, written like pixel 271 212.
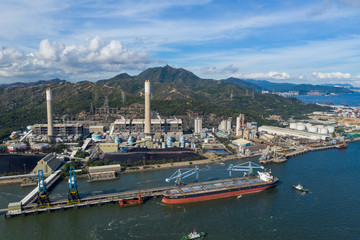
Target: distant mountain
pixel 243 83
pixel 341 85
pixel 21 84
pixel 285 87
pixel 175 91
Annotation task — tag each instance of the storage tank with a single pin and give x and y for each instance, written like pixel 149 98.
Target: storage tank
pixel 331 129
pixel 313 129
pixel 96 136
pixel 293 125
pixel 324 131
pixel 300 127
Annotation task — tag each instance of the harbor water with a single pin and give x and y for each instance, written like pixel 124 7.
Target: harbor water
pixel 352 100
pixel 329 211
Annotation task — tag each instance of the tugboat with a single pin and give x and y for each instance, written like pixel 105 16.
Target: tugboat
pixel 300 188
pixel 194 235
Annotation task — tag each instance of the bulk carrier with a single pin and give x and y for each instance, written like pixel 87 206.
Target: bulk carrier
pixel 220 188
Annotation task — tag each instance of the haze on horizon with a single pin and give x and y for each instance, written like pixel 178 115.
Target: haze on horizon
pixel 284 41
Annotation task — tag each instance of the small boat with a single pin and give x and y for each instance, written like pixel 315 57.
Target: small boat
pixel 240 196
pixel 131 202
pixel 300 188
pixel 194 235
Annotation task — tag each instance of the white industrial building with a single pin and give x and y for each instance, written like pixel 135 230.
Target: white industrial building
pixel 198 125
pixel 322 129
pixel 299 132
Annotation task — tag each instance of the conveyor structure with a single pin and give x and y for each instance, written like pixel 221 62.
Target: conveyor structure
pixel 180 174
pixel 243 167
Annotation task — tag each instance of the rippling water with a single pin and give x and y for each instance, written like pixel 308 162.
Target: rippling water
pixel 341 99
pixel 330 211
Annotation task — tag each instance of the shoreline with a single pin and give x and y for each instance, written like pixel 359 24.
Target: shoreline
pixel 210 158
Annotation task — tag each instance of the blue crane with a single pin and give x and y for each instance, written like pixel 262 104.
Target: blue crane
pixel 73 196
pixel 41 184
pixel 72 179
pixel 243 167
pixel 180 174
pixel 43 197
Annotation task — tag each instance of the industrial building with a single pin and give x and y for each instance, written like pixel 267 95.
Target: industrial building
pixel 197 126
pixel 146 126
pixel 59 129
pixel 100 173
pixel 293 133
pixel 48 164
pixel 137 126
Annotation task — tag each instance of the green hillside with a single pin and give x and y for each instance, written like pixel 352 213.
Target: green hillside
pixel 174 92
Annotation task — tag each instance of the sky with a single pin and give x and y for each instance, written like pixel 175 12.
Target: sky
pixel 313 41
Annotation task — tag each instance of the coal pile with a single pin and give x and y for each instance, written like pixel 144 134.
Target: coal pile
pixel 15 163
pixel 141 156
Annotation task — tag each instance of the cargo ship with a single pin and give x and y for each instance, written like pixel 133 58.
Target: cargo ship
pixel 220 188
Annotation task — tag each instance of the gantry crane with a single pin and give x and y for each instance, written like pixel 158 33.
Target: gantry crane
pixel 180 174
pixel 243 167
pixel 43 195
pixel 73 196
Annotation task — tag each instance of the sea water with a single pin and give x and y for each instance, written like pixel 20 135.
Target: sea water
pixel 329 211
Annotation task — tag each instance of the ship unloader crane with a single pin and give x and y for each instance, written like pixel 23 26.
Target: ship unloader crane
pixel 180 174
pixel 43 195
pixel 243 167
pixel 73 196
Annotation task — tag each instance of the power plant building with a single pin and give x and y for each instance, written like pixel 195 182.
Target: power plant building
pixel 137 126
pixel 59 129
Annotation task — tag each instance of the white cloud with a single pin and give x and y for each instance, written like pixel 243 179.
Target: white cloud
pixel 230 69
pixel 264 76
pixel 337 75
pixel 56 58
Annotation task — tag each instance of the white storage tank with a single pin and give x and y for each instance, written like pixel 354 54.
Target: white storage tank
pixel 331 129
pixel 293 125
pixel 313 129
pixel 308 125
pixel 319 127
pixel 324 131
pixel 300 127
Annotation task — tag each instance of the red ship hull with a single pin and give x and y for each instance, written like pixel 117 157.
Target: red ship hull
pixel 214 196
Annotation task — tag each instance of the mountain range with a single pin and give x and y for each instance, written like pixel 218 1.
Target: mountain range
pixel 303 89
pixel 174 91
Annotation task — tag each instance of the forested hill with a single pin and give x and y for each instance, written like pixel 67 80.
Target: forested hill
pixel 174 92
pixel 285 87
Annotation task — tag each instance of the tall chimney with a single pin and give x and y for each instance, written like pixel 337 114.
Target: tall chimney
pixel 147 129
pixel 49 114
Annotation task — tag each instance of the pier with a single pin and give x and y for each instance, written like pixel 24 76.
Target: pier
pixel 16 209
pixel 311 149
pixel 90 201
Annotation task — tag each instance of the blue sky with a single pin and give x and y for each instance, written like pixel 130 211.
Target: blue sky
pixel 284 41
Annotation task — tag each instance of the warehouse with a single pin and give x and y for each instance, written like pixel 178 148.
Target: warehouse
pixel 293 133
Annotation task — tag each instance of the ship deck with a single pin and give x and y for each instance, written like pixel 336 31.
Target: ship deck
pixel 217 185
